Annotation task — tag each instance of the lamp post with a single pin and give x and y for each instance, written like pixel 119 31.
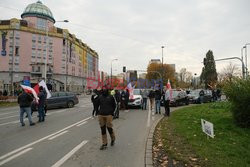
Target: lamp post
pixel 111 70
pixel 47 36
pixel 195 80
pixel 246 57
pixel 243 69
pixel 162 47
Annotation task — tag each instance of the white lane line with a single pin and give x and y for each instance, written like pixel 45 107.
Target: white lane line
pixel 59 134
pixel 149 115
pixel 44 138
pixel 15 156
pixel 9 117
pixel 12 122
pixel 7 113
pixel 81 123
pixel 67 156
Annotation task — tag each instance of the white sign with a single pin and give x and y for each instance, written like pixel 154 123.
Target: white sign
pixel 207 127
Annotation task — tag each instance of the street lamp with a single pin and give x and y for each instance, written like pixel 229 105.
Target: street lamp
pixel 111 70
pixel 162 47
pixel 246 57
pixel 47 36
pixel 243 69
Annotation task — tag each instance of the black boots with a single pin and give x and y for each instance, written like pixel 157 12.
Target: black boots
pixel 103 147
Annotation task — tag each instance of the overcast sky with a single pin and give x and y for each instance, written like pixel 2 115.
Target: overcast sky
pixel 133 31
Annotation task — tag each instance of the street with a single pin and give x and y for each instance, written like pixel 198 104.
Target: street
pixel 71 137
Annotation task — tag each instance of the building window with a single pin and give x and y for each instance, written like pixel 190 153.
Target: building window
pixel 41 24
pixel 34 37
pixel 17 51
pixel 38 69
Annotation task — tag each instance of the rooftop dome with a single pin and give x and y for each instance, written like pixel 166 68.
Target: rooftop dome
pixel 39 10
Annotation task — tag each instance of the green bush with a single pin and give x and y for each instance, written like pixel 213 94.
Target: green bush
pixel 238 93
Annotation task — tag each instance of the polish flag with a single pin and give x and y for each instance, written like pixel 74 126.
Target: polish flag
pixel 43 84
pixel 170 89
pixel 28 89
pixel 130 90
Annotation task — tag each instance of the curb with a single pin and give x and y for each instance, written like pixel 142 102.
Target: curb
pixel 148 161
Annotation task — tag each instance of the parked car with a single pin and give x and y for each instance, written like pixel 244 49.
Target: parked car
pixel 59 100
pixel 136 101
pixel 179 97
pixel 195 96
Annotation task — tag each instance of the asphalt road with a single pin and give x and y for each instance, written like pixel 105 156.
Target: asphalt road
pixel 71 137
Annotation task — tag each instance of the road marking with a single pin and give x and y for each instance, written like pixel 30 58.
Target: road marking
pixel 7 113
pixel 15 156
pixel 67 156
pixel 59 134
pixel 9 117
pixel 13 122
pixel 81 123
pixel 44 138
pixel 149 115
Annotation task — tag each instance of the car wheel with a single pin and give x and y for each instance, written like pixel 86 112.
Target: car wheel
pixel 70 104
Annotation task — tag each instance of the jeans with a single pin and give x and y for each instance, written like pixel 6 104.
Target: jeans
pixel 157 106
pixel 41 113
pixel 144 103
pixel 28 112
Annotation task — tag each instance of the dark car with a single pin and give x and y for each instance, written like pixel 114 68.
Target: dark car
pixel 179 97
pixel 58 100
pixel 200 96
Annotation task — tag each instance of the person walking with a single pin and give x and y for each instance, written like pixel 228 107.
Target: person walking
pixel 167 102
pixel 24 100
pixel 144 94
pixel 123 100
pixel 157 101
pixel 151 96
pixel 94 100
pixel 126 98
pixel 107 107
pixel 218 94
pixel 118 100
pixel 41 104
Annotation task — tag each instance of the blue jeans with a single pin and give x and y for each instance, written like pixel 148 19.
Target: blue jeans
pixel 41 113
pixel 157 106
pixel 28 112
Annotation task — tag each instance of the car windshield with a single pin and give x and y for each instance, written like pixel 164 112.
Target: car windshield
pixel 136 92
pixel 194 93
pixel 175 93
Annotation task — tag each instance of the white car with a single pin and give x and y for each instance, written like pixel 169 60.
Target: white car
pixel 136 101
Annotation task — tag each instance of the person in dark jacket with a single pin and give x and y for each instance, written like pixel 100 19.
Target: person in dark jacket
pixel 157 101
pixel 94 100
pixel 24 100
pixel 151 96
pixel 126 98
pixel 123 100
pixel 41 104
pixel 107 107
pixel 118 100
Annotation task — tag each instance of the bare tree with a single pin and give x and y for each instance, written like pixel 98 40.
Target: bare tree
pixel 230 71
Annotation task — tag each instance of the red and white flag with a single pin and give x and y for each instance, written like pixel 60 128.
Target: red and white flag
pixel 28 89
pixel 43 84
pixel 130 90
pixel 170 89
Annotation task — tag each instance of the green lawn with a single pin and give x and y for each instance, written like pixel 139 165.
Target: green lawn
pixel 184 140
pixel 8 104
